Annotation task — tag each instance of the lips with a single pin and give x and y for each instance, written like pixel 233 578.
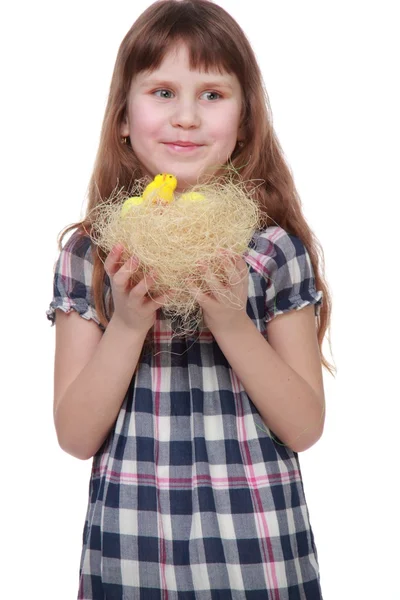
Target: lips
pixel 180 147
pixel 181 143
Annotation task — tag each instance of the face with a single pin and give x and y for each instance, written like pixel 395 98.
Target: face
pixel 181 121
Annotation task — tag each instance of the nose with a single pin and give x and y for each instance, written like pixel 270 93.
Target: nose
pixel 186 114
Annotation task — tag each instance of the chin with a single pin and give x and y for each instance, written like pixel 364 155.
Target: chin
pixel 185 179
pixel 186 182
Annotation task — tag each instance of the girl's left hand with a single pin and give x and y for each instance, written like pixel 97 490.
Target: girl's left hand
pixel 226 305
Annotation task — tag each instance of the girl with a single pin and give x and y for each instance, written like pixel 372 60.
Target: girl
pixel 196 489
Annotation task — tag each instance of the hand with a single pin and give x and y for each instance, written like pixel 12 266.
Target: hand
pixel 225 306
pixel 131 305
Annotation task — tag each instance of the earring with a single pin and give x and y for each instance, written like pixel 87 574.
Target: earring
pixel 240 144
pixel 124 140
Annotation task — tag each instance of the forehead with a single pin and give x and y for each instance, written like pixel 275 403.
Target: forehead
pixel 180 53
pixel 178 61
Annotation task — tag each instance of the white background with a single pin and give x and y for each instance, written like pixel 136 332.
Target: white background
pixel 332 76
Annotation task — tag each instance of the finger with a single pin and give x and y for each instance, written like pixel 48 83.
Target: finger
pixel 233 267
pixel 200 297
pixel 113 260
pixel 210 277
pixel 123 276
pixel 218 278
pixel 158 301
pixel 239 271
pixel 144 285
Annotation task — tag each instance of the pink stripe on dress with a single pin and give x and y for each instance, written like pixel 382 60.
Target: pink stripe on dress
pixel 156 385
pixel 66 271
pixel 269 560
pixel 256 481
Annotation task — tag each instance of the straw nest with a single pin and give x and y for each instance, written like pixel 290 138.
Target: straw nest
pixel 177 239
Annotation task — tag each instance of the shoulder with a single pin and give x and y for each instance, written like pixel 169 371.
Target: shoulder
pixel 283 262
pixel 76 259
pixel 274 247
pixel 80 245
pixel 276 240
pixel 73 274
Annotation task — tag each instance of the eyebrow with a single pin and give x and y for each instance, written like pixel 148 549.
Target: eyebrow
pixel 167 83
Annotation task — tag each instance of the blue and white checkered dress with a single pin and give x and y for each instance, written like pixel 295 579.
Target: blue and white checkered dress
pixel 191 496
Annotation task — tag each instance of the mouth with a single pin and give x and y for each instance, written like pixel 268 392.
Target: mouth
pixel 182 147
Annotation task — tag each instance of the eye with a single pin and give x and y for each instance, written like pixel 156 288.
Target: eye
pixel 212 95
pixel 163 93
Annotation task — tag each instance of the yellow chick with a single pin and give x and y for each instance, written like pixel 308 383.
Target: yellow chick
pixel 127 205
pixel 161 190
pixel 192 197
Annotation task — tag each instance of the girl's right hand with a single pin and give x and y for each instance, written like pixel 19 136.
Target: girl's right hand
pixel 132 307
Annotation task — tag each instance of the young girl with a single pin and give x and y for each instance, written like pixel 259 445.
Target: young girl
pixel 196 489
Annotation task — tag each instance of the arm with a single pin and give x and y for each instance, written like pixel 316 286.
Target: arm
pixel 91 376
pixel 93 371
pixel 283 376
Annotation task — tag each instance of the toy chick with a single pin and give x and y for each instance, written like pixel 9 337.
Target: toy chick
pixel 192 197
pixel 159 191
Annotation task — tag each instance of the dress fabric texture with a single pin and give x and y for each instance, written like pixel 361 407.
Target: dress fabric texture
pixel 191 496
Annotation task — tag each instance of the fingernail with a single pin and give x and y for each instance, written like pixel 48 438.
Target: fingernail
pixel 134 262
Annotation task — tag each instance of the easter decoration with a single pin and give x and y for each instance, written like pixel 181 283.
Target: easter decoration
pixel 160 190
pixel 177 235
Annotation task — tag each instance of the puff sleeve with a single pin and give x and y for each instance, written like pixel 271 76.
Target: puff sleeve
pixel 72 287
pixel 285 265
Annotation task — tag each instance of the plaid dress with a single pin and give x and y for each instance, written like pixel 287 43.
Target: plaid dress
pixel 191 496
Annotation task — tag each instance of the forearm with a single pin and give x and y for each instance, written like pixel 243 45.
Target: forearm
pixel 90 405
pixel 288 405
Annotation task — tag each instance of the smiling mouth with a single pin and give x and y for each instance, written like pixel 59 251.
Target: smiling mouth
pixel 182 147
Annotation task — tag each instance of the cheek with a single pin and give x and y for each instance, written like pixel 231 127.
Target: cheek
pixel 225 126
pixel 147 122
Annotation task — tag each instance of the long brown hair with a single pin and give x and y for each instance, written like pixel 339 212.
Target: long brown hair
pixel 214 41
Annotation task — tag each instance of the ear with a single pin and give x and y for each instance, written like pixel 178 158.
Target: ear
pixel 241 133
pixel 125 127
